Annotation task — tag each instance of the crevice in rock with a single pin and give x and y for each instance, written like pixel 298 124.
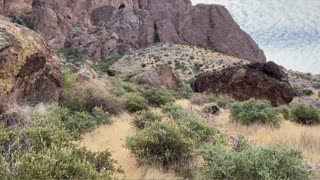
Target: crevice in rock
pixel 156 38
pixel 122 6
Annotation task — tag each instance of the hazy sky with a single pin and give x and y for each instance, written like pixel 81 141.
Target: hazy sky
pixel 287 30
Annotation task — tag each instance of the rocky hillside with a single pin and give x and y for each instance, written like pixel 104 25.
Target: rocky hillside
pixel 187 61
pixel 99 28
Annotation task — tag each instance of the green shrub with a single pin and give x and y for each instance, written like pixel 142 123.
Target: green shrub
pixel 307 92
pixel 144 119
pixel 120 88
pixel 305 114
pixel 285 111
pixel 135 103
pixel 271 162
pixel 70 55
pixel 161 144
pixel 47 151
pixel 319 94
pixel 158 97
pixel 192 126
pixel 69 82
pixel 74 121
pixel 300 91
pixel 103 66
pixel 88 96
pixel 254 111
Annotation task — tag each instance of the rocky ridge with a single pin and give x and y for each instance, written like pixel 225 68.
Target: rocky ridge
pixel 97 29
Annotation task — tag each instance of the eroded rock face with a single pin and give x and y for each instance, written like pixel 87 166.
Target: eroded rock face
pixel 29 71
pixel 100 28
pixel 161 76
pixel 258 80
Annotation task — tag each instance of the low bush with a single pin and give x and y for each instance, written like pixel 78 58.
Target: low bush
pixel 285 111
pixel 77 122
pixel 305 114
pixel 192 126
pixel 307 92
pixel 103 66
pixel 302 91
pixel 158 97
pixel 120 88
pixel 162 144
pixel 47 151
pixel 254 111
pixel 271 162
pixel 89 95
pixel 135 103
pixel 70 55
pixel 144 119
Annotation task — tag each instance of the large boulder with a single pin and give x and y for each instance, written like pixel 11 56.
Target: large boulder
pixel 162 75
pixel 29 71
pixel 98 29
pixel 258 80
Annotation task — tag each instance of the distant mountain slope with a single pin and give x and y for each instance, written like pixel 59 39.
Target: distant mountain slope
pixel 289 32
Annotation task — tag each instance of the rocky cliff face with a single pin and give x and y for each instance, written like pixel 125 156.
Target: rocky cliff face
pixel 100 28
pixel 29 71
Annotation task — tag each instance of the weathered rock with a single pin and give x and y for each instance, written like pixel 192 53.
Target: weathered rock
pixel 29 71
pixel 100 28
pixel 161 76
pixel 257 80
pixel 211 109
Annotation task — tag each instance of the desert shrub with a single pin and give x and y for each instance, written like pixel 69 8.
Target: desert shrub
pixel 285 112
pixel 316 85
pixel 319 94
pixel 144 119
pixel 104 65
pixel 192 126
pixel 307 92
pixel 158 96
pixel 161 144
pixel 305 114
pixel 271 162
pixel 47 151
pixel 254 111
pixel 302 91
pixel 69 82
pixel 241 144
pixel 135 103
pixel 74 121
pixel 182 94
pixel 120 88
pixel 70 55
pixel 90 95
pixel 202 98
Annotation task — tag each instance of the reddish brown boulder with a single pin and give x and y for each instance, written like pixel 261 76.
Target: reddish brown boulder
pixel 29 71
pixel 258 80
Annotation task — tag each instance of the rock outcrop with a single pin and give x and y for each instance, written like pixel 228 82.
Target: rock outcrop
pixel 29 71
pixel 258 80
pixel 100 28
pixel 162 75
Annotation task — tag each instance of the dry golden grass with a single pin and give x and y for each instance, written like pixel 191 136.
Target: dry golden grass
pixel 112 137
pixel 304 138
